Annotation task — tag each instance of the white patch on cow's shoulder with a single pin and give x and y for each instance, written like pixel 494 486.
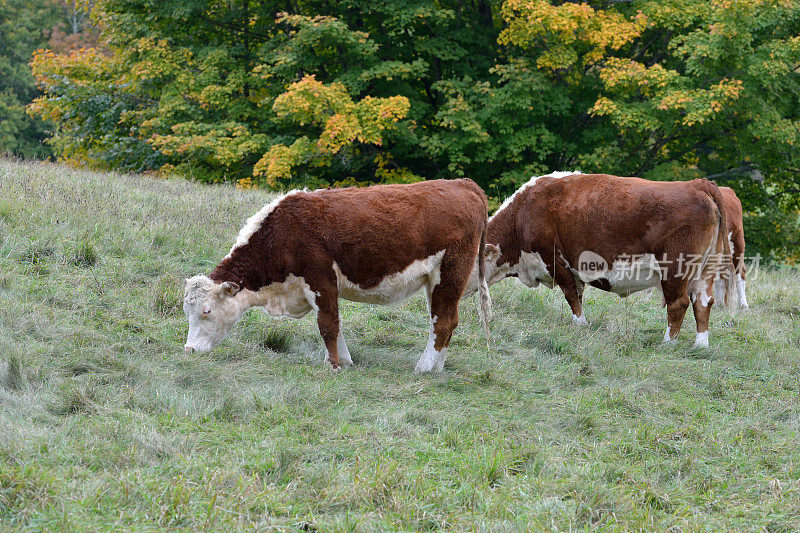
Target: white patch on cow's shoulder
pixel 394 287
pixel 531 183
pixel 531 270
pixel 253 223
pixel 701 341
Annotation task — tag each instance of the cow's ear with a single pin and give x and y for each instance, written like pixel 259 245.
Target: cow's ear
pixel 229 288
pixel 492 252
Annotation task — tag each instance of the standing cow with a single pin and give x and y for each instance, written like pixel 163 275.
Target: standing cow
pixel 377 245
pixel 733 212
pixel 618 234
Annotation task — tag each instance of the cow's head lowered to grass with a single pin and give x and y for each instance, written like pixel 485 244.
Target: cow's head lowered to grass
pixel 212 310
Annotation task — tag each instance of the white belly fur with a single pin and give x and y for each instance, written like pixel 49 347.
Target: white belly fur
pixel 627 277
pixel 395 287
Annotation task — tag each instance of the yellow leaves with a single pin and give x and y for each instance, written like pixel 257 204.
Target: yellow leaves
pixel 340 130
pixel 342 121
pixel 81 66
pixel 568 32
pixel 225 144
pixel 603 106
pixel 277 163
pixel 246 183
pixel 85 67
pixel 701 104
pixel 388 174
pixel 309 101
pixel 619 74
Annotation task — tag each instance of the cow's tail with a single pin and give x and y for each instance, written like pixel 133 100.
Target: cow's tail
pixel 723 257
pixel 484 298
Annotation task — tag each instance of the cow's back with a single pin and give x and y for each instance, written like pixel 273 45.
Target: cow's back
pixel 380 230
pixel 733 208
pixel 603 213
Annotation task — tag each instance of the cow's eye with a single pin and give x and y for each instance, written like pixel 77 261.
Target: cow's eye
pixel 206 311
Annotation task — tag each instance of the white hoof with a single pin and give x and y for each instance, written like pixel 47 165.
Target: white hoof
pixel 424 366
pixel 343 363
pixel 701 341
pixel 580 320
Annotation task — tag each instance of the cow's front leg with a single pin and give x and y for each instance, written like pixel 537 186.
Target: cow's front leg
pixel 328 322
pixel 572 287
pixel 677 300
pixel 430 356
pixel 701 305
pixel 341 347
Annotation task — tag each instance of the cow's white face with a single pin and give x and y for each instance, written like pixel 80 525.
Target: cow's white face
pixel 212 309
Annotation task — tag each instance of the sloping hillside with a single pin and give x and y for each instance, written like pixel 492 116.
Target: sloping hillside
pixel 105 422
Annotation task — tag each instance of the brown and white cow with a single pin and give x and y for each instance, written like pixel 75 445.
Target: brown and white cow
pixel 733 211
pixel 618 234
pixel 377 245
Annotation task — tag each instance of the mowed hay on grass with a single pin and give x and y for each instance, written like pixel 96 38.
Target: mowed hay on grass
pixel 106 423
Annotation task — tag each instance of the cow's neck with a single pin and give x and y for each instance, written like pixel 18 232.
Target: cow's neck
pixel 502 231
pixel 245 266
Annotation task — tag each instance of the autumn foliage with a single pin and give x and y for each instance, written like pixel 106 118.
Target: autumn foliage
pixel 276 95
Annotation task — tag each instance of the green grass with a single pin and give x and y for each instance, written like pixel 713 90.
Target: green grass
pixel 106 423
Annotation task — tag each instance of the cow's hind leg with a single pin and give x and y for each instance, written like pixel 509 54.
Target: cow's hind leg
pixel 443 298
pixel 677 301
pixel 702 300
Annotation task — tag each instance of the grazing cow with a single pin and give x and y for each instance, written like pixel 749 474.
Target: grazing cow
pixel 733 211
pixel 618 234
pixel 377 245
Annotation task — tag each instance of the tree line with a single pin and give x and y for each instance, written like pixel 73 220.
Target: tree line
pixel 316 93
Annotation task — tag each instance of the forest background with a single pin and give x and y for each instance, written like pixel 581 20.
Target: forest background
pixel 314 93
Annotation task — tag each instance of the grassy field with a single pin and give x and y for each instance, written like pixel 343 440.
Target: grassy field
pixel 106 423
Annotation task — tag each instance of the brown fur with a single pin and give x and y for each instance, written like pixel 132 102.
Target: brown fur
pixel 369 233
pixel 611 216
pixel 733 211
